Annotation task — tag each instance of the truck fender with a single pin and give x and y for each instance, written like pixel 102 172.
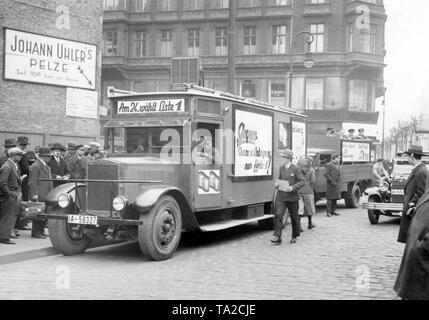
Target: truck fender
pixel 67 188
pixel 151 194
pixel 373 192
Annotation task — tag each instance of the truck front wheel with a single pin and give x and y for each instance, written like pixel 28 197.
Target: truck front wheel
pixel 67 238
pixel 373 215
pixel 159 235
pixel 353 200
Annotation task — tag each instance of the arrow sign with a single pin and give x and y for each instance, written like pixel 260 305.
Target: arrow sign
pixel 81 71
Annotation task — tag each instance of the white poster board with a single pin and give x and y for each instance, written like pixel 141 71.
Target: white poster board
pixel 299 140
pixel 41 59
pixel 81 103
pixel 151 106
pixel 253 144
pixel 356 151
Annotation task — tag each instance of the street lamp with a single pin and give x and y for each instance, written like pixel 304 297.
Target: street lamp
pixel 308 60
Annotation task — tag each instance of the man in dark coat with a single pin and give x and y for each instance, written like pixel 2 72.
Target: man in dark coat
pixel 415 187
pixel 10 194
pixel 412 282
pixel 288 198
pixel 8 143
pixel 40 189
pixel 24 167
pixel 333 185
pixel 58 165
pixel 77 163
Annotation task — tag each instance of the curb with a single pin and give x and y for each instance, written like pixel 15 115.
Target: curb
pixel 27 255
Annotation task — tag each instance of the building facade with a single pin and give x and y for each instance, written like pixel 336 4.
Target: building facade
pixel 51 70
pixel 141 36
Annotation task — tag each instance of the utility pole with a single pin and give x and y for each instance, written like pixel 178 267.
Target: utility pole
pixel 384 120
pixel 231 46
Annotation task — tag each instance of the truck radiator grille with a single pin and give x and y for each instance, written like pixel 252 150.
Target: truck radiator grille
pixel 100 194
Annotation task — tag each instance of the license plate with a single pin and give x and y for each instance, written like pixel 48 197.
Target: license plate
pixel 397 192
pixel 80 219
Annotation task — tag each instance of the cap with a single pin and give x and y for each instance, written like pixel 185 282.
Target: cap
pixel 361 130
pixel 351 130
pixel 335 155
pixel 286 153
pixel 14 151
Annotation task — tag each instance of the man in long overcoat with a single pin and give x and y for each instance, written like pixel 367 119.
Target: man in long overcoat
pixel 415 187
pixel 38 190
pixel 24 168
pixel 333 185
pixel 58 166
pixel 10 194
pixel 77 163
pixel 412 282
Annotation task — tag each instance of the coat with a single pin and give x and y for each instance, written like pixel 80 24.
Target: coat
pixel 10 181
pixel 296 180
pixel 414 188
pixel 39 188
pixel 58 169
pixel 310 182
pixel 25 170
pixel 333 181
pixel 412 281
pixel 77 167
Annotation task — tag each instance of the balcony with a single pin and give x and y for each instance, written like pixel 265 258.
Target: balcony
pixel 353 8
pixel 249 12
pixel 115 16
pixel 321 9
pixel 279 11
pixel 193 14
pixel 370 59
pixel 167 16
pixel 219 14
pixel 140 17
pixel 134 63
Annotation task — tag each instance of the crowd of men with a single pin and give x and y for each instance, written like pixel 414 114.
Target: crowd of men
pixel 20 174
pixel 351 134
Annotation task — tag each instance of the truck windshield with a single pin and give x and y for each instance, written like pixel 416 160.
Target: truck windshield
pixel 148 141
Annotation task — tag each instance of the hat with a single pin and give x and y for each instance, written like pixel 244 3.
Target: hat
pixel 361 130
pixel 413 149
pixel 14 151
pixel 22 140
pixel 9 143
pixel 58 146
pixel 71 146
pixel 45 152
pixel 286 153
pixel 79 146
pixel 351 130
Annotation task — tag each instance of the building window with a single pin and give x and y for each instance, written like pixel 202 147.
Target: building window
pixel 219 4
pixel 140 5
pixel 248 89
pixel 112 5
pixel 358 97
pixel 367 39
pixel 277 3
pixel 193 42
pixel 167 5
pixel 193 4
pixel 221 41
pixel 318 30
pixel 316 1
pixel 279 39
pixel 166 43
pixel 140 43
pixel 110 43
pixel 278 93
pixel 249 40
pixel 314 94
pixel 250 3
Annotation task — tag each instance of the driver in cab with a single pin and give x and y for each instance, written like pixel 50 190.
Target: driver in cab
pixel 379 171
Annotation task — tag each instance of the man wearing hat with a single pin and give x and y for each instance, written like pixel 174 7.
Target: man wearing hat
pixel 333 175
pixel 71 149
pixel 288 198
pixel 8 143
pixel 10 194
pixel 77 163
pixel 94 151
pixel 361 134
pixel 24 167
pixel 40 189
pixel 58 165
pixel 351 134
pixel 414 188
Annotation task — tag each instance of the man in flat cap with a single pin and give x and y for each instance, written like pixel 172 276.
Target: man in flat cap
pixel 10 194
pixel 414 188
pixel 287 198
pixel 333 185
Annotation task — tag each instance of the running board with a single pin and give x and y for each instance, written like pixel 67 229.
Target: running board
pixel 222 225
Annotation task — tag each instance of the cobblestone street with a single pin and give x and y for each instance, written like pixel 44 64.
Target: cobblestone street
pixel 329 262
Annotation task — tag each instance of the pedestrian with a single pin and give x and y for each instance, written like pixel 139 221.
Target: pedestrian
pixel 414 188
pixel 71 149
pixel 77 163
pixel 290 181
pixel 58 165
pixel 361 134
pixel 8 143
pixel 38 190
pixel 94 151
pixel 24 167
pixel 333 186
pixel 351 134
pixel 306 193
pixel 10 194
pixel 412 282
pixel 379 171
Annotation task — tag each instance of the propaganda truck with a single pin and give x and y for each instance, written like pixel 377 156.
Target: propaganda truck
pixel 192 159
pixel 356 166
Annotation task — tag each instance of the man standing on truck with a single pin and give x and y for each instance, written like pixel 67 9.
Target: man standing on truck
pixel 379 171
pixel 291 180
pixel 333 185
pixel 414 188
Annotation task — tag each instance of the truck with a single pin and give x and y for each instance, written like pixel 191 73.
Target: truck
pixel 188 160
pixel 356 166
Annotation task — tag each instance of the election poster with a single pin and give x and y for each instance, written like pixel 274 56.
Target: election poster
pixel 299 140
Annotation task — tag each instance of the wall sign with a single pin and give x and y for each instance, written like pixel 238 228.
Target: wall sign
pixel 253 144
pixel 41 59
pixel 355 152
pixel 151 106
pixel 299 140
pixel 82 103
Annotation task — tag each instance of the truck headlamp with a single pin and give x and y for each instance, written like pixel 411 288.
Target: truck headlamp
pixel 64 200
pixel 384 186
pixel 119 203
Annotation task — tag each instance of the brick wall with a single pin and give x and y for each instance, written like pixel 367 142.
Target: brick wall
pixel 41 108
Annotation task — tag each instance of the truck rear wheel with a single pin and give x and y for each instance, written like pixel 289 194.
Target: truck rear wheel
pixel 355 195
pixel 159 235
pixel 65 237
pixel 373 215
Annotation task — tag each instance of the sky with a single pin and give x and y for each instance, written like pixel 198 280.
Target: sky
pixel 406 76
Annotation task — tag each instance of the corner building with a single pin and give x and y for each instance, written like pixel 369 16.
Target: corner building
pixel 339 91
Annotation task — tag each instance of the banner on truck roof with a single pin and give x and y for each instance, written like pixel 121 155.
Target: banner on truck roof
pixel 151 106
pixel 356 151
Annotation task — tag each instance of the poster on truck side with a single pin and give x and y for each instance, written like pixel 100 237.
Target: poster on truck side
pixel 356 151
pixel 253 144
pixel 299 140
